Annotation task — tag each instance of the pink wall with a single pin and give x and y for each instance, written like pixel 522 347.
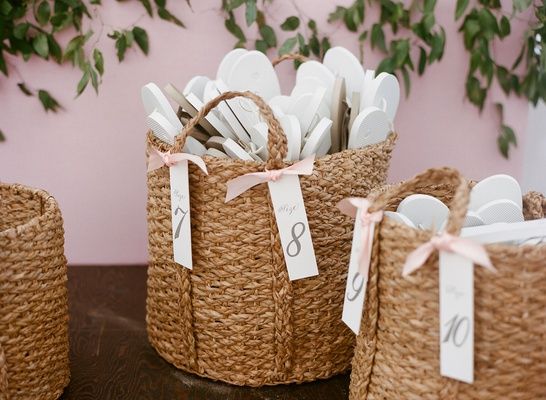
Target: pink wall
pixel 91 156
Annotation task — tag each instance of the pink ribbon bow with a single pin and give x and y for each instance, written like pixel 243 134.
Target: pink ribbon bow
pixel 242 183
pixel 157 159
pixel 453 244
pixel 350 207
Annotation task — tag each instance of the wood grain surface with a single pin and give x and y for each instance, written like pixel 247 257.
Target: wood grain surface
pixel 111 358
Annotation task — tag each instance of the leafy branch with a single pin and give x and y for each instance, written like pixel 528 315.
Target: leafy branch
pixel 410 40
pixel 30 28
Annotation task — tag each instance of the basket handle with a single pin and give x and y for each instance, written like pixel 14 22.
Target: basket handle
pixel 289 56
pixel 458 205
pixel 276 139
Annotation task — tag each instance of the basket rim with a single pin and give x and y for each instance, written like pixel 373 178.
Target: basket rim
pixel 151 140
pixel 49 207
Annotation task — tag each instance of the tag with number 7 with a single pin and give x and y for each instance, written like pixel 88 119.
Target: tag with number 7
pixel 180 199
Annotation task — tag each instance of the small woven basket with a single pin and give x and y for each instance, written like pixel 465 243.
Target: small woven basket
pixel 397 352
pixel 33 296
pixel 237 317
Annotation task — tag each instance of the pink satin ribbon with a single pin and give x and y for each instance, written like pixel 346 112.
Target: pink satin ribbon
pixel 350 207
pixel 241 184
pixel 453 244
pixel 157 159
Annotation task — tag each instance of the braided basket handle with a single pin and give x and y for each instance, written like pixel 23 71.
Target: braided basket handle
pixel 534 206
pixel 289 56
pixel 276 139
pixel 458 206
pixel 3 375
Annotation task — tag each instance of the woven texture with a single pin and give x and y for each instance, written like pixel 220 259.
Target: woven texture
pixel 397 354
pixel 33 296
pixel 236 317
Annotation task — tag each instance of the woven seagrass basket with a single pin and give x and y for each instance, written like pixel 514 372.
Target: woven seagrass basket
pixel 236 317
pixel 397 351
pixel 33 296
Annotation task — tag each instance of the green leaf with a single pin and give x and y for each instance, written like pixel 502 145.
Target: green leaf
pixel 129 38
pixel 504 27
pixel 268 34
pixel 60 21
pixel 99 61
pixel 314 45
pixel 121 46
pixel 5 7
pixel 291 24
pixel 437 46
pixel 288 45
pixel 422 60
pixel 160 3
pixel 337 15
pixel 40 45
pixel 460 8
pixel 20 30
pixel 43 13
pixel 250 13
pixel 401 52
pixel 407 82
pixel 25 89
pixel 429 6
pixel 95 2
pixel 55 50
pixel 475 60
pixel 428 22
pixel 351 19
pixel 471 27
pixel 488 23
pixel 312 25
pixel 48 102
pixel 378 38
pixel 386 65
pixel 474 92
pixel 2 136
pixel 261 45
pixel 506 138
pixel 147 5
pixel 83 82
pixel 141 38
pixel 325 44
pixel 3 66
pixel 235 29
pixel 503 77
pixel 363 36
pixel 303 47
pixel 166 15
pixel 233 4
pixel 94 79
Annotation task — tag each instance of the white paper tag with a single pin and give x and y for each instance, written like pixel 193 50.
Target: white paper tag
pixel 355 291
pixel 180 214
pixel 291 217
pixel 456 317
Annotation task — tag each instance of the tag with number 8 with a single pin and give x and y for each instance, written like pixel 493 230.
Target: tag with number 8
pixel 291 218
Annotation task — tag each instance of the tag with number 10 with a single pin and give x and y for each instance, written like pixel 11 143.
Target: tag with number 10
pixel 293 226
pixel 456 317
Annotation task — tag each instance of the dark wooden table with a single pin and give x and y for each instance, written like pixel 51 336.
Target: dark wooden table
pixel 111 358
